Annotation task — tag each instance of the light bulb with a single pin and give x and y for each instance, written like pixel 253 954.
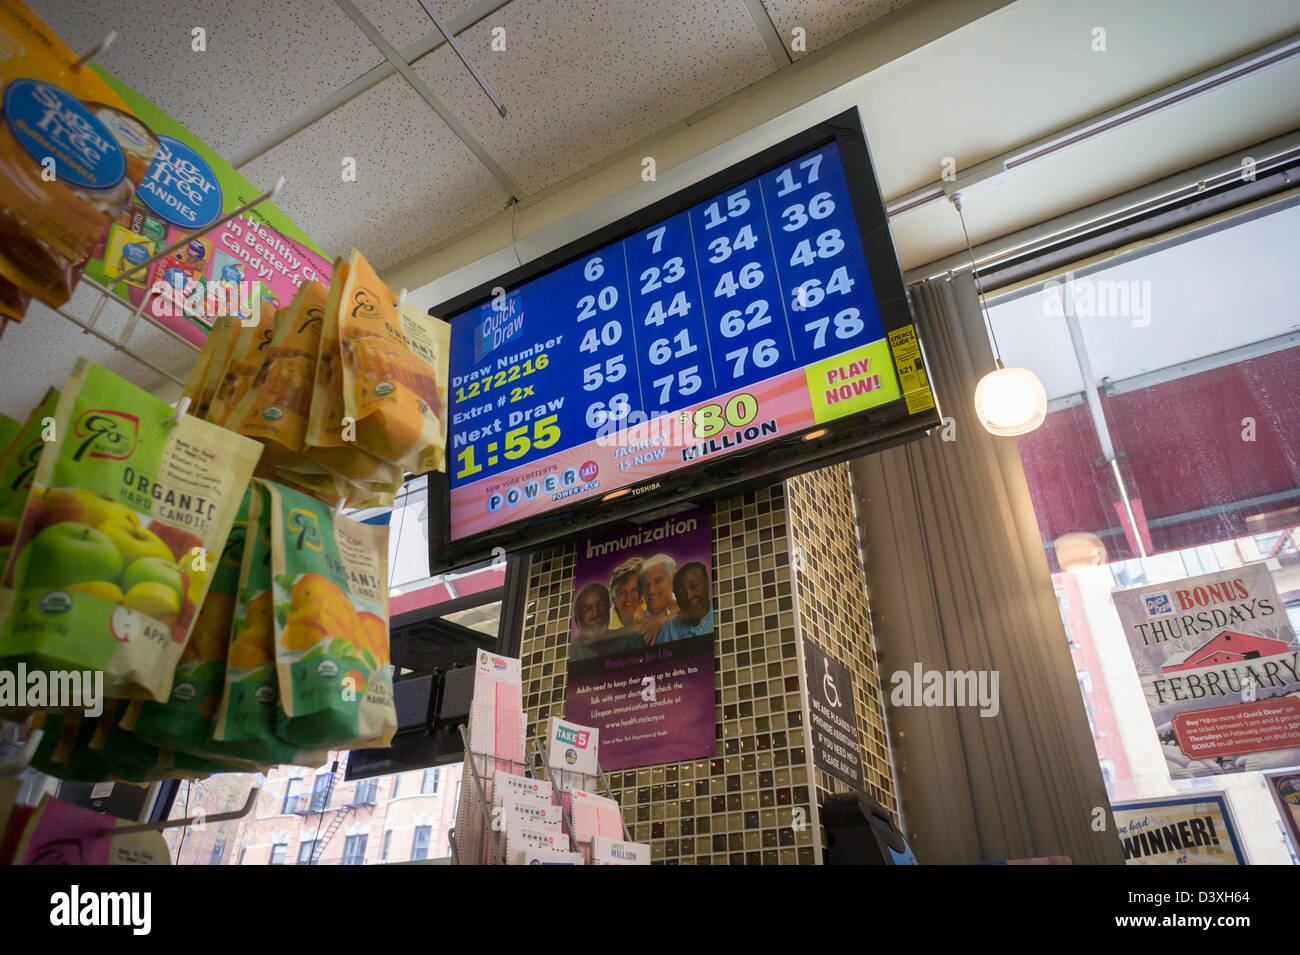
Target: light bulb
pixel 1010 401
pixel 1078 550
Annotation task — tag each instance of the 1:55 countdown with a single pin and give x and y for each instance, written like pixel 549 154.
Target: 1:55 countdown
pixel 518 442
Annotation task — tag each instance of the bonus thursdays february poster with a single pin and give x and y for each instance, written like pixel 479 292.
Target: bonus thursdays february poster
pixel 641 641
pixel 1220 668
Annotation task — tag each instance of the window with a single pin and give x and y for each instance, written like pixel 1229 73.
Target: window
pixel 242 852
pixel 320 792
pixel 1085 688
pixel 430 783
pixel 366 792
pixel 388 841
pixel 420 847
pixel 1194 418
pixel 278 852
pixel 397 779
pixel 354 850
pixel 218 850
pixel 292 787
pixel 306 850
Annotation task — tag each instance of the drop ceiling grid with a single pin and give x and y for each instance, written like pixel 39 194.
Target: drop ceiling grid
pixel 404 21
pixel 414 179
pixel 40 351
pixel 581 81
pixel 264 62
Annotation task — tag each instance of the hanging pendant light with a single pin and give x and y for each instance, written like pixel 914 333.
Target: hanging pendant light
pixel 1008 401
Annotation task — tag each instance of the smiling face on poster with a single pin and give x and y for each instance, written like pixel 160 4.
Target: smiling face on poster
pixel 641 641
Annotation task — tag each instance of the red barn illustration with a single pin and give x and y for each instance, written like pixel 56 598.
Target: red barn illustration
pixel 1228 647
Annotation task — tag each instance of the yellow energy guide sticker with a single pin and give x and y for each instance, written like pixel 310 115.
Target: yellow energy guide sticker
pixel 911 370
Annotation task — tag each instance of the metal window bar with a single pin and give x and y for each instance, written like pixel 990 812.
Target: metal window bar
pixel 106 293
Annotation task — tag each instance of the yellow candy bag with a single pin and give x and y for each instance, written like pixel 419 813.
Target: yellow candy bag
pixel 394 372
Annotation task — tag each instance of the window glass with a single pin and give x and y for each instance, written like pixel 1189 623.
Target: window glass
pixel 420 847
pixel 1188 463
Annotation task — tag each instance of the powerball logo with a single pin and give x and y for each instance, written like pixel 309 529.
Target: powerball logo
pixel 573 737
pixel 1158 604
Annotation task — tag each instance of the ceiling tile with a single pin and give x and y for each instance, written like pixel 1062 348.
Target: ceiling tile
pixel 825 21
pixel 402 22
pixel 582 81
pixel 41 350
pixel 416 183
pixel 242 87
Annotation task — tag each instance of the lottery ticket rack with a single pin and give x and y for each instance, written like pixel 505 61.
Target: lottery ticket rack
pixel 476 840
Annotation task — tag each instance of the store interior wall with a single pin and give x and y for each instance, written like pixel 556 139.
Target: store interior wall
pixel 959 583
pixel 834 616
pixel 754 801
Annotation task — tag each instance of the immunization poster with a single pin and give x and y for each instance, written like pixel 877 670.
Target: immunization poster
pixel 255 260
pixel 641 641
pixel 1220 667
pixel 1184 831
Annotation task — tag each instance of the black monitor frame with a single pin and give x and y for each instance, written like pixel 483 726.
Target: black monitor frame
pixel 848 437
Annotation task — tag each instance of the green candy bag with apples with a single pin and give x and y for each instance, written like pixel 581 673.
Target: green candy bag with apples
pixel 127 507
pixel 17 465
pixel 330 585
pixel 245 723
pixel 184 722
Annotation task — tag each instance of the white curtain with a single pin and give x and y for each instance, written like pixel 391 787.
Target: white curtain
pixel 958 581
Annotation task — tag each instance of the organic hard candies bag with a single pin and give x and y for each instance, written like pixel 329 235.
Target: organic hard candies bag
pixel 394 372
pixel 277 407
pixel 245 723
pixel 111 560
pixel 243 366
pixel 329 441
pixel 184 722
pixel 17 468
pixel 331 625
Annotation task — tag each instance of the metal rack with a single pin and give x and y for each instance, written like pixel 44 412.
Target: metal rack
pixel 106 293
pixel 534 767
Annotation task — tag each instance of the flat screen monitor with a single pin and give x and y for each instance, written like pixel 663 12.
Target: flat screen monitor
pixel 746 328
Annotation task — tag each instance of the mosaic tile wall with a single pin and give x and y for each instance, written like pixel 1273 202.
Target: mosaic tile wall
pixel 833 613
pixel 751 803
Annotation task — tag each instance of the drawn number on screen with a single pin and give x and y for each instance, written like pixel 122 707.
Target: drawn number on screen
pixel 593 376
pixel 609 335
pixel 606 299
pixel 688 382
pixel 811 165
pixel 656 239
pixel 593 270
pixel 737 205
pixel 828 245
pixel 722 246
pixel 653 277
pixel 749 277
pixel 734 321
pixel 661 352
pixel 679 308
pixel 598 413
pixel 739 411
pixel 763 353
pixel 797 215
pixel 848 324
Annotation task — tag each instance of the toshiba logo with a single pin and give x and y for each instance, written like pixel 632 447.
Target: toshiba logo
pixel 642 490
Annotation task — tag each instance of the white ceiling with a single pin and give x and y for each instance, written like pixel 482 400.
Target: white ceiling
pixel 583 81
